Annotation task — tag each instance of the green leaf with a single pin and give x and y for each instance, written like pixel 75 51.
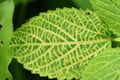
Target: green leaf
pixel 84 4
pixel 60 43
pixel 117 39
pixel 109 11
pixel 22 1
pixel 6 29
pixel 105 66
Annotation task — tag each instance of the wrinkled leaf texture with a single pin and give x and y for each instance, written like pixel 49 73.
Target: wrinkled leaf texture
pixel 60 43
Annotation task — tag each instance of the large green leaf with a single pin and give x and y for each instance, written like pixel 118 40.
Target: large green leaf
pixel 6 29
pixel 105 66
pixel 109 11
pixel 60 43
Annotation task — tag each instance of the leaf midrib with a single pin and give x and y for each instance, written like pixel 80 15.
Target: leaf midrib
pixel 62 43
pixel 86 57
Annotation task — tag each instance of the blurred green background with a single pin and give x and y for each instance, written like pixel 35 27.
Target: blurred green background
pixel 25 9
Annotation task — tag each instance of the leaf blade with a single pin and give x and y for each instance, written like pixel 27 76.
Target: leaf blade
pixel 53 43
pixel 6 29
pixel 109 11
pixel 104 67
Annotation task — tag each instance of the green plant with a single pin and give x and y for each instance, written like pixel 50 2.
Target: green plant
pixel 6 11
pixel 65 43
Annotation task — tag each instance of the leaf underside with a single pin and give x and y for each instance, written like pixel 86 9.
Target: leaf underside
pixel 109 11
pixel 106 66
pixel 60 43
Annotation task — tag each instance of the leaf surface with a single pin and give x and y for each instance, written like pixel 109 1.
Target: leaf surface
pixel 6 29
pixel 109 11
pixel 105 66
pixel 60 43
pixel 84 4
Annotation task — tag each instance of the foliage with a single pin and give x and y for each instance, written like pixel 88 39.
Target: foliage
pixel 84 4
pixel 6 27
pixel 65 43
pixel 109 11
pixel 53 43
pixel 22 1
pixel 106 66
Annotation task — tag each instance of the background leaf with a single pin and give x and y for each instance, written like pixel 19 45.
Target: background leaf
pixel 105 66
pixel 6 27
pixel 84 4
pixel 60 43
pixel 109 11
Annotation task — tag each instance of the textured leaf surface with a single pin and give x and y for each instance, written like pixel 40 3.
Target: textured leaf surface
pixel 6 29
pixel 109 11
pixel 60 43
pixel 105 66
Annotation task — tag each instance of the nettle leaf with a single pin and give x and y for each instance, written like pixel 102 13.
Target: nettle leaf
pixel 105 66
pixel 60 43
pixel 6 29
pixel 109 11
